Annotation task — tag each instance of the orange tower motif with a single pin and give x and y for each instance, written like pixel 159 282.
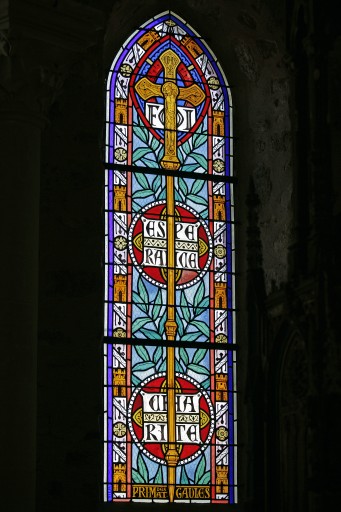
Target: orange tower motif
pixel 120 478
pixel 120 201
pixel 120 288
pixel 221 387
pixel 218 123
pixel 121 111
pixel 148 39
pixel 119 382
pixel 220 298
pixel 191 46
pixel 222 480
pixel 219 208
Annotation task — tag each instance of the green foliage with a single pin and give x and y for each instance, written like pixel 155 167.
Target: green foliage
pixel 139 302
pixel 158 479
pixel 183 355
pixel 142 468
pixel 187 152
pixel 184 480
pixel 156 183
pixel 199 139
pixel 142 133
pixel 200 470
pixel 163 366
pixel 137 477
pixel 141 179
pixel 138 323
pixel 191 336
pixel 183 186
pixel 206 383
pixel 162 322
pixel 205 479
pixel 202 327
pixel 180 324
pixel 198 297
pixel 178 367
pixel 139 153
pixel 197 368
pixel 142 291
pixel 157 355
pixel 184 307
pixel 202 161
pixel 143 193
pixel 150 163
pixel 199 355
pixel 142 352
pixel 142 367
pixel 197 186
pixel 149 153
pixel 146 155
pixel 146 326
pixel 193 329
pixel 153 335
pixel 157 305
pixel 135 380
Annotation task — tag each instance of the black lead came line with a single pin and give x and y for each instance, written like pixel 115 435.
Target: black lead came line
pixel 163 172
pixel 208 345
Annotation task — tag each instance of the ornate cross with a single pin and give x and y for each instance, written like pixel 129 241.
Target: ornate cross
pixel 170 92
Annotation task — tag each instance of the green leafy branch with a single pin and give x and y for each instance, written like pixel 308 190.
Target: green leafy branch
pixel 193 365
pixel 151 310
pixel 184 193
pixel 158 478
pixel 147 326
pixel 148 156
pixel 190 313
pixel 184 478
pixel 201 476
pixel 187 151
pixel 141 473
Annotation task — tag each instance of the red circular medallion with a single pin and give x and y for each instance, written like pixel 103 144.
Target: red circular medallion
pixel 148 244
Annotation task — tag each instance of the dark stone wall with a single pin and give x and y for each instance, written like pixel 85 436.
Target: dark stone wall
pixel 71 294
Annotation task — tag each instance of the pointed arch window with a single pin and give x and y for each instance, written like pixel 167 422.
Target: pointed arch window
pixel 169 329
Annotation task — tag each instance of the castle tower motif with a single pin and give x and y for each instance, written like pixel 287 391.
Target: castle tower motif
pixel 119 382
pixel 218 123
pixel 120 201
pixel 222 480
pixel 121 111
pixel 148 39
pixel 120 288
pixel 219 208
pixel 220 298
pixel 191 46
pixel 120 478
pixel 221 387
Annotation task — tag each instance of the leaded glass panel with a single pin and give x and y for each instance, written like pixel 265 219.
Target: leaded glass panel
pixel 169 340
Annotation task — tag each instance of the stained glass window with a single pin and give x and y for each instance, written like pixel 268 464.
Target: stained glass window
pixel 169 333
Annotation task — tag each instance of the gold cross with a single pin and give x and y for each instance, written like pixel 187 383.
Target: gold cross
pixel 171 92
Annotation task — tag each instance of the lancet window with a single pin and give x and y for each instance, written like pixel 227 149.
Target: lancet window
pixel 169 317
